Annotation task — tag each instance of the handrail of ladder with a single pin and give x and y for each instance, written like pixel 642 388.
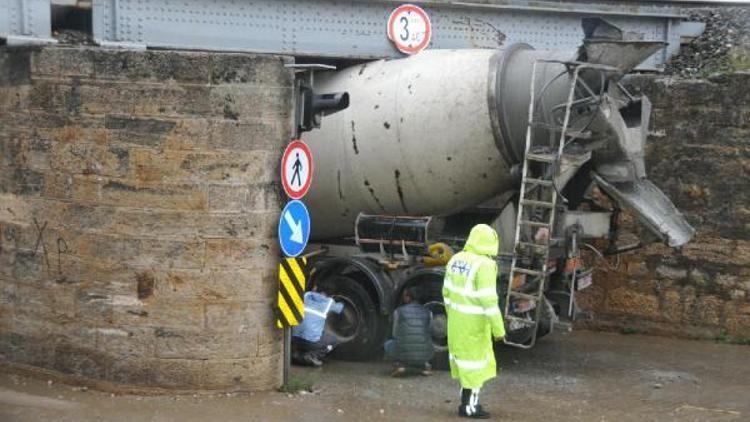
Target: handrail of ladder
pixel 523 189
pixel 571 95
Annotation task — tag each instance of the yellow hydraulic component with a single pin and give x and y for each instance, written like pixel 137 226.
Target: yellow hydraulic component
pixel 440 254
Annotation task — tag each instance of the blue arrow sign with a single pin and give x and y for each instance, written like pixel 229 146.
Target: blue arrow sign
pixel 294 228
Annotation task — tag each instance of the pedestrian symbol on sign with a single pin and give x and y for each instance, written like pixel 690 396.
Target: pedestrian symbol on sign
pixel 297 167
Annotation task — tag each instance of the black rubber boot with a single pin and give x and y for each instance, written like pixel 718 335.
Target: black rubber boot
pixel 470 407
pixel 478 413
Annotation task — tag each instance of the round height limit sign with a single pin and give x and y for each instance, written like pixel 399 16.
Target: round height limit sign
pixel 409 29
pixel 297 169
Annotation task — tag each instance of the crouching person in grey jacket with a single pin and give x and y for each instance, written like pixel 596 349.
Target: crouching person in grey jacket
pixel 411 345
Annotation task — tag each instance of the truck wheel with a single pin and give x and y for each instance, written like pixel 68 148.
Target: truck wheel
pixel 524 335
pixel 360 328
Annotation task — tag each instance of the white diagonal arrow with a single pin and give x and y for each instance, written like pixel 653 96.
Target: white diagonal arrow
pixel 296 227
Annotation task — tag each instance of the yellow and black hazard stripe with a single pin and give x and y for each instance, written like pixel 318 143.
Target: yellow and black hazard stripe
pixel 290 303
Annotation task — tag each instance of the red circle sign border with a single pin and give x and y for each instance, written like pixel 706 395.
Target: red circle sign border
pixel 287 152
pixel 428 35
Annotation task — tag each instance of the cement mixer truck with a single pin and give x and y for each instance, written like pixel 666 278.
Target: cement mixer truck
pixel 545 146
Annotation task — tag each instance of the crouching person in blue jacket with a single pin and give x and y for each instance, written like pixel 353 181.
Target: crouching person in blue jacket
pixel 310 342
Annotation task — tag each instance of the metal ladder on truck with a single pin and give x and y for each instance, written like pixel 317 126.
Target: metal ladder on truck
pixel 537 205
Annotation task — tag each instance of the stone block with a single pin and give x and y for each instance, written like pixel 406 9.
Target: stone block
pixel 85 130
pixel 124 341
pixel 27 348
pixel 14 98
pixel 55 96
pixel 248 134
pixel 21 181
pixel 239 253
pixel 137 371
pixel 251 70
pixel 241 103
pixel 218 285
pixel 175 224
pixel 264 197
pixel 145 100
pixel 636 269
pixel 270 338
pixel 738 321
pixel 272 345
pixel 129 311
pixel 15 209
pixel 16 66
pixel 89 159
pixel 159 196
pixel 672 273
pixel 6 317
pixel 167 254
pixel 103 248
pixel 171 343
pixel 188 134
pixel 28 266
pixel 63 62
pixel 152 66
pixel 710 310
pixel 142 131
pixel 51 303
pixel 227 198
pixel 79 356
pixel 233 316
pixel 592 298
pixel 253 374
pixel 58 186
pixel 176 373
pixel 186 166
pixel 672 306
pixel 737 294
pixel 623 300
pixel 93 307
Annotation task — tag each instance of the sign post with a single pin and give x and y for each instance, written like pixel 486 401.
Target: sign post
pixel 294 233
pixel 290 302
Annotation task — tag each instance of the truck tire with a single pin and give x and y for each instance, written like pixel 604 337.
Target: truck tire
pixel 360 327
pixel 523 336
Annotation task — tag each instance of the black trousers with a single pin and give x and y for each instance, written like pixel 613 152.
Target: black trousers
pixel 318 349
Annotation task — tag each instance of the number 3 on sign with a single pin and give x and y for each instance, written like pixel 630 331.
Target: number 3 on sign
pixel 409 29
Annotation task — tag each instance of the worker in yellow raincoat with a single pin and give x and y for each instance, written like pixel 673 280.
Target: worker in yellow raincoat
pixel 474 318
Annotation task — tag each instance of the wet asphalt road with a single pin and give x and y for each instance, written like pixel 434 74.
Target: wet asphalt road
pixel 579 376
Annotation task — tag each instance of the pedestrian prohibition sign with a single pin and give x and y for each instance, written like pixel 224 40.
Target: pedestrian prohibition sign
pixel 297 169
pixel 294 228
pixel 290 302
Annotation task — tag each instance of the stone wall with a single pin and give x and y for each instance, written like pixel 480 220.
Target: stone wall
pixel 699 154
pixel 138 206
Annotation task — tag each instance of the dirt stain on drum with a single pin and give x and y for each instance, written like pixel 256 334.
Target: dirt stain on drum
pixel 354 140
pixel 400 191
pixel 338 179
pixel 372 193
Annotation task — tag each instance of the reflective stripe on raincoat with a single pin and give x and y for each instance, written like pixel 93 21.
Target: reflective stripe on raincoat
pixel 471 303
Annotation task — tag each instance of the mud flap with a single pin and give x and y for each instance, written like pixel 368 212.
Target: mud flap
pixel 652 207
